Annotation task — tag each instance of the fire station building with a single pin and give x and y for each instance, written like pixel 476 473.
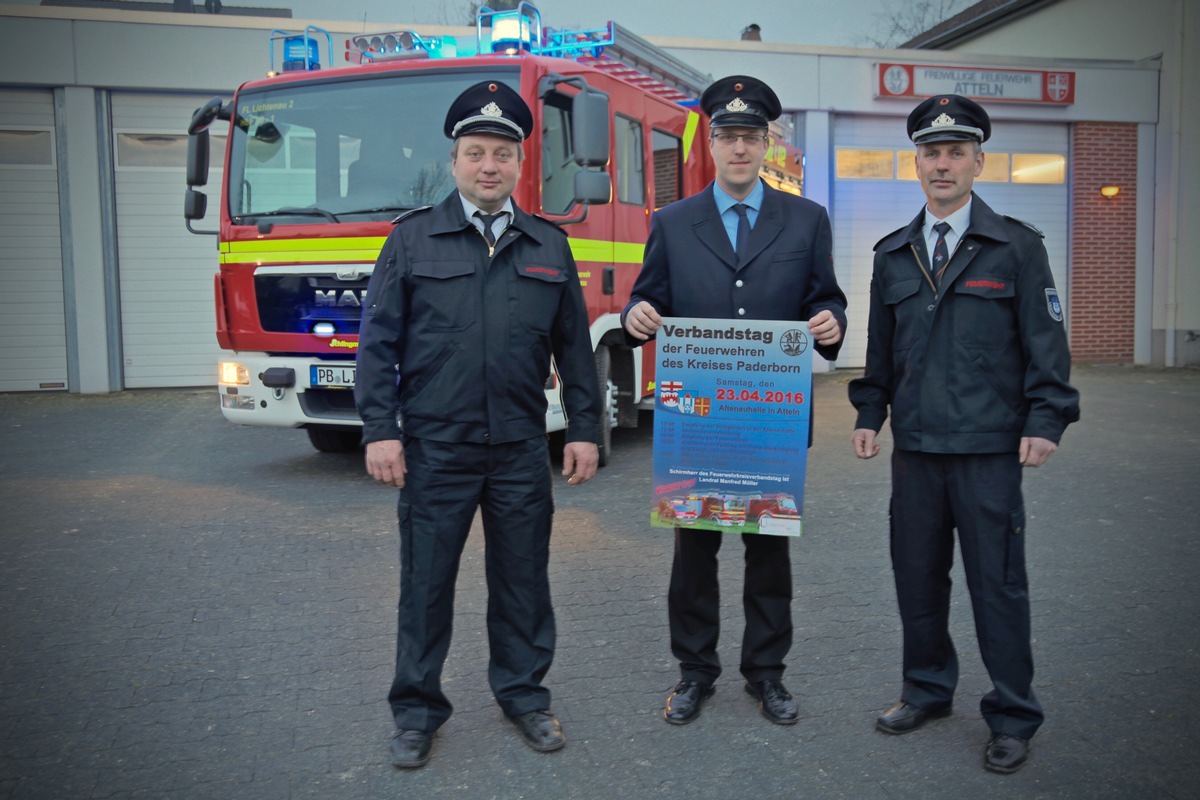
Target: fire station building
pixel 1096 141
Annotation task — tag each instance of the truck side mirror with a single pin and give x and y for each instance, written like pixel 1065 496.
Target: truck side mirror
pixel 197 159
pixel 593 187
pixel 195 205
pixel 589 110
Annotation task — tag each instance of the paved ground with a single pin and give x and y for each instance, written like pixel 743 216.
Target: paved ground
pixel 189 609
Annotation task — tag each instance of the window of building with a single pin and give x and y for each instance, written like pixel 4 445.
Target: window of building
pixel 163 150
pixel 997 167
pixel 26 148
pixel 631 173
pixel 865 164
pixel 1039 168
pixel 668 168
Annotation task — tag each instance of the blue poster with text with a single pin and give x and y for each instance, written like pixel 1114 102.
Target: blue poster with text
pixel 731 422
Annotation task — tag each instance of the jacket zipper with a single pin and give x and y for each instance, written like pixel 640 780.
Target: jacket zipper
pixel 925 271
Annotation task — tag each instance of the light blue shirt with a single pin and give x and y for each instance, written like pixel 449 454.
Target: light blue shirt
pixel 725 205
pixel 959 221
pixel 499 225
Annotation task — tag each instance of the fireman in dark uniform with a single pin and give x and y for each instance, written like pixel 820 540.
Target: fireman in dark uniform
pixel 468 301
pixel 967 350
pixel 738 249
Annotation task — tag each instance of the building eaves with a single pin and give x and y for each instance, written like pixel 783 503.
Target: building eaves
pixel 972 22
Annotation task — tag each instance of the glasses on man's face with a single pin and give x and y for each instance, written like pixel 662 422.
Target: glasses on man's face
pixel 751 139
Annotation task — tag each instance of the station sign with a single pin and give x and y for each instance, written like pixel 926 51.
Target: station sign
pixel 907 81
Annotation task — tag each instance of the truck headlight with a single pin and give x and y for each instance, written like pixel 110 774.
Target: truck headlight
pixel 231 373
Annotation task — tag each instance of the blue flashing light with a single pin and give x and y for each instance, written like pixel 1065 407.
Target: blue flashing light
pixel 511 33
pixel 301 51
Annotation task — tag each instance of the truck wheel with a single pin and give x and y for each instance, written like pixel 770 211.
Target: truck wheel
pixel 608 391
pixel 334 440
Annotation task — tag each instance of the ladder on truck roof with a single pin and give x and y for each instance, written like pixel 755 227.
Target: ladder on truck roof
pixel 612 49
pixel 640 63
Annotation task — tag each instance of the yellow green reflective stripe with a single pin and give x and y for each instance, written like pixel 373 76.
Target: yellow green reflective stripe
pixel 607 252
pixel 689 133
pixel 273 251
pixel 366 248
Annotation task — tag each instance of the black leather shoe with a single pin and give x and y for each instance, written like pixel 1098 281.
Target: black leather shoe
pixel 411 748
pixel 906 718
pixel 683 704
pixel 1005 754
pixel 540 730
pixel 774 701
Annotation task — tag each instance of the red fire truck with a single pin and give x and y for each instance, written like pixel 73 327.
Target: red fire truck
pixel 319 161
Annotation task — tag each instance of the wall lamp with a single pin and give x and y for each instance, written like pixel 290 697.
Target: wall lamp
pixel 1109 192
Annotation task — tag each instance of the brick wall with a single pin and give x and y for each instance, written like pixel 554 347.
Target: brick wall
pixel 1100 303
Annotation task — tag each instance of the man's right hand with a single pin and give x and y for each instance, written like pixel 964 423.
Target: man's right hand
pixel 385 462
pixel 642 321
pixel 864 443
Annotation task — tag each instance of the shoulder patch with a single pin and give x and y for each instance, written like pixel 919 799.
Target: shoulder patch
pixel 1054 305
pixel 1031 227
pixel 409 213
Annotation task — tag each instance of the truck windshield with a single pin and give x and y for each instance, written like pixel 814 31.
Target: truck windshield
pixel 344 150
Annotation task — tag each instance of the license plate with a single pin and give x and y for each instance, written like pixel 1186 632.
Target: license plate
pixel 331 376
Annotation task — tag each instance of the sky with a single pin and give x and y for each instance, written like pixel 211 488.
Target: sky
pixel 818 22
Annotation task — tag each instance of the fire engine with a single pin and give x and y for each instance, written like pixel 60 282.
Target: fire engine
pixel 319 161
pixel 720 509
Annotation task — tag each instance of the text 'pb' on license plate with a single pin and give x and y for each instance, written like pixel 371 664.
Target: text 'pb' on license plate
pixel 331 376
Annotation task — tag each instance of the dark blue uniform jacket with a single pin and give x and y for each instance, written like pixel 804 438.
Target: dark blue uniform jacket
pixel 472 335
pixel 690 269
pixel 978 365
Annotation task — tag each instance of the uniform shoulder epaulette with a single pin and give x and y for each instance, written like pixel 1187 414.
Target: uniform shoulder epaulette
pixel 888 236
pixel 1029 225
pixel 549 222
pixel 409 213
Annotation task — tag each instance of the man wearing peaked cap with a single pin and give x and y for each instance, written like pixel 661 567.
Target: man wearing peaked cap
pixel 489 107
pixel 469 388
pixel 739 249
pixel 967 354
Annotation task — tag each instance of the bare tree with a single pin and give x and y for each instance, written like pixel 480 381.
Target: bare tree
pixel 904 19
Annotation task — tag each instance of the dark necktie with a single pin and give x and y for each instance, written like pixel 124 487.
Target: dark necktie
pixel 941 253
pixel 743 231
pixel 488 219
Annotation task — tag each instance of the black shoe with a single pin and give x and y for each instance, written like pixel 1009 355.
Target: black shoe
pixel 411 748
pixel 683 704
pixel 906 718
pixel 1005 754
pixel 774 701
pixel 540 730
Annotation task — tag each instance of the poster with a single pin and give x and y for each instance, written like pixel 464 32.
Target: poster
pixel 731 424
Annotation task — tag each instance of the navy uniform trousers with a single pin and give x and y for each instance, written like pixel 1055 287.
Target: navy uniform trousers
pixel 980 495
pixel 445 484
pixel 694 605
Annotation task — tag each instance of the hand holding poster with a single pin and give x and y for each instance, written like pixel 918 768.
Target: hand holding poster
pixel 731 425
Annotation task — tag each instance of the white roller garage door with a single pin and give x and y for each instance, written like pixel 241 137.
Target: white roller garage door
pixel 866 209
pixel 32 317
pixel 166 273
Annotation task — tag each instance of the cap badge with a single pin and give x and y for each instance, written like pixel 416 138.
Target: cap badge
pixel 942 121
pixel 493 110
pixel 736 105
